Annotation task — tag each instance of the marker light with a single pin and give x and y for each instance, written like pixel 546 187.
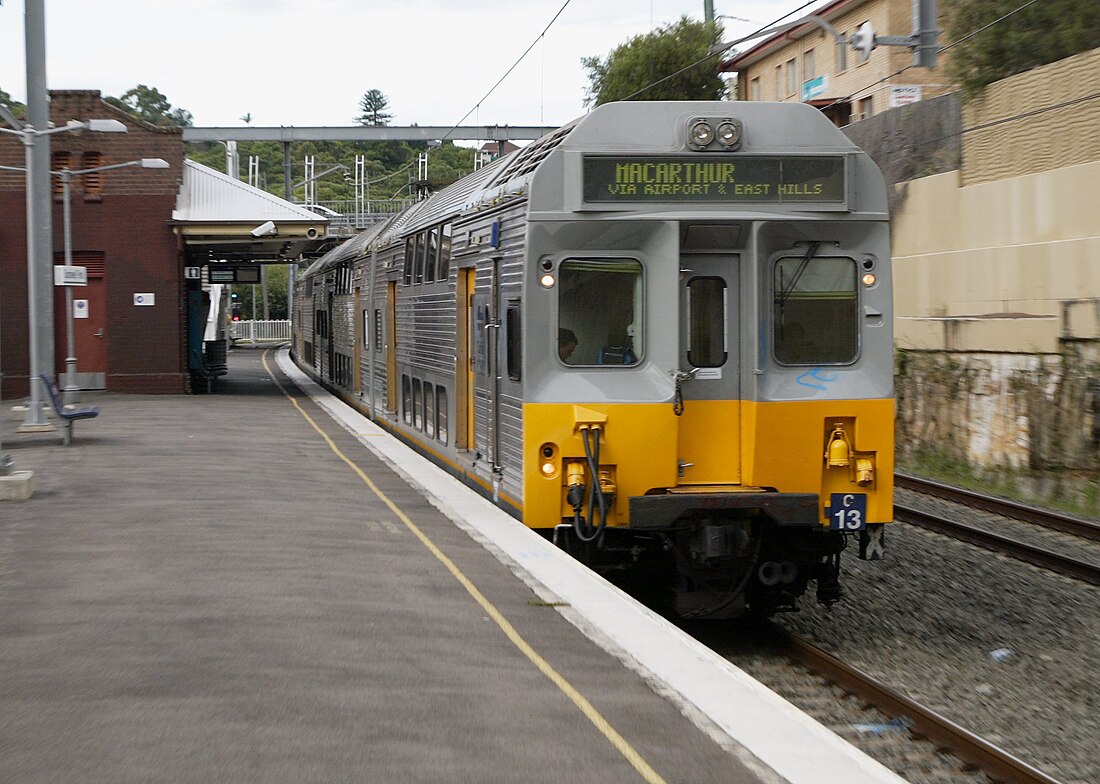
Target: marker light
pixel 702 133
pixel 547 281
pixel 868 279
pixel 548 469
pixel 729 134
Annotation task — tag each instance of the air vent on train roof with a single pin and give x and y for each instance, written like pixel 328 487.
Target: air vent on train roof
pixel 527 159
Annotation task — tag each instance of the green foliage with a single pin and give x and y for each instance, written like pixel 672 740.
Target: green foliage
pixel 16 108
pixel 151 105
pixel 1041 33
pixel 668 55
pixel 373 106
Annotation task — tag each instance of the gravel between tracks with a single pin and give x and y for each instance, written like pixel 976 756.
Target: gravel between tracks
pixel 1007 650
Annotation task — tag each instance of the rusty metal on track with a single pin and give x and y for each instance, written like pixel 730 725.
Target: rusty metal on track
pixel 1086 529
pixel 997 764
pixel 1036 556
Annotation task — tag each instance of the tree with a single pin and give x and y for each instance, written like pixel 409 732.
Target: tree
pixel 373 106
pixel 1038 34
pixel 670 64
pixel 16 108
pixel 151 105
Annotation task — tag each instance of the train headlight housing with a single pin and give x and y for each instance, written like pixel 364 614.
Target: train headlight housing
pixel 547 281
pixel 729 133
pixel 714 134
pixel 868 279
pixel 702 133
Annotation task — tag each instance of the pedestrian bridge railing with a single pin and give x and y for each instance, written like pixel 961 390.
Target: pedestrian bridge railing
pixel 260 331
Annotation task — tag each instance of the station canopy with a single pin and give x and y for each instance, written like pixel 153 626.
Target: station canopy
pixel 219 218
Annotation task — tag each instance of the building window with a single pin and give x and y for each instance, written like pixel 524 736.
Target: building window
pixel 842 54
pixel 808 69
pixel 754 89
pixel 866 109
pixel 792 77
pixel 93 183
pixel 779 83
pixel 59 161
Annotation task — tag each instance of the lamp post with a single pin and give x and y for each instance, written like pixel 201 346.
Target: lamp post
pixel 28 135
pixel 72 389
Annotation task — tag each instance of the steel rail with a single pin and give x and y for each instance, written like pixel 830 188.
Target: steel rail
pixel 1036 556
pixel 997 763
pixel 1086 529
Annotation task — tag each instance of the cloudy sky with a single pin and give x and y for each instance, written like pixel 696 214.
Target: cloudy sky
pixel 308 62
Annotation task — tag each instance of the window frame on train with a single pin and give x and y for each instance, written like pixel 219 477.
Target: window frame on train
pixel 579 281
pixel 797 340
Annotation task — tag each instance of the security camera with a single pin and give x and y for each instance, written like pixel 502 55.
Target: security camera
pixel 267 229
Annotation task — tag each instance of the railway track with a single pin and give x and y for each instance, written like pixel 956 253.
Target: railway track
pixel 920 743
pixel 1085 571
pixel 925 745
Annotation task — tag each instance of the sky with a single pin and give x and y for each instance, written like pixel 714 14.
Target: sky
pixel 308 63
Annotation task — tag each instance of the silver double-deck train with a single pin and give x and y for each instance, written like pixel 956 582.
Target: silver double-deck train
pixel 660 336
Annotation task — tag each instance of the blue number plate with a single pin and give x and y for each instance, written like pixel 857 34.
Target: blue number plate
pixel 847 511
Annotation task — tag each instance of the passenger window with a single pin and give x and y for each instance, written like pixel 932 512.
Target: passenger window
pixel 431 262
pixel 418 412
pixel 418 271
pixel 600 312
pixel 815 313
pixel 429 410
pixel 513 337
pixel 441 414
pixel 406 399
pixel 410 256
pixel 706 318
pixel 444 251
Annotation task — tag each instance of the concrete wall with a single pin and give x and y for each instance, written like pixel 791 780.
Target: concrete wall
pixel 997 281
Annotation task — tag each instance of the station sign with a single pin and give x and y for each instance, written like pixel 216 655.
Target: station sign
pixel 219 274
pixel 729 179
pixel 65 275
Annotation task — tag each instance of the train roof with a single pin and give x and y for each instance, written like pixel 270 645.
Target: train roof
pixel 620 127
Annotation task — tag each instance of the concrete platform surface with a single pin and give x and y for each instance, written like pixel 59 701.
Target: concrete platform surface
pixel 234 588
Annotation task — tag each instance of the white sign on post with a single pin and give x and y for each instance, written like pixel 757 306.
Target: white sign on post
pixel 70 276
pixel 80 308
pixel 904 94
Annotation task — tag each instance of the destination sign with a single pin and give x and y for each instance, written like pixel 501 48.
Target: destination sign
pixel 729 179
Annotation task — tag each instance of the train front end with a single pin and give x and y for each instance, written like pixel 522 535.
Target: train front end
pixel 710 408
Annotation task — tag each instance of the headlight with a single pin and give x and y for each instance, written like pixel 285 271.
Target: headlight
pixel 729 134
pixel 701 133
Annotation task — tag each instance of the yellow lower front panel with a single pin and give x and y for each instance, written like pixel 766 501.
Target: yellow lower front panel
pixel 646 447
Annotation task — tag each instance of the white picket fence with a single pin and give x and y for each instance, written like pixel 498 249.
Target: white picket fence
pixel 261 331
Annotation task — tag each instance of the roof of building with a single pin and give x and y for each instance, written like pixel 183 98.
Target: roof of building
pixel 772 43
pixel 207 195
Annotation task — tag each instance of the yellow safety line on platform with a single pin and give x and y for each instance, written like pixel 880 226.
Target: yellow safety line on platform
pixel 578 699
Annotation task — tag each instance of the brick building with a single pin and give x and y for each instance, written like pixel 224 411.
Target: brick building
pixel 121 234
pixel 807 64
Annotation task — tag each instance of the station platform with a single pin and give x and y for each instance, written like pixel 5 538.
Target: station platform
pixel 259 585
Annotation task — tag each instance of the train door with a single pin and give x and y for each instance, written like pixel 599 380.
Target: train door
pixel 486 326
pixel 709 385
pixel 465 352
pixel 360 331
pixel 391 346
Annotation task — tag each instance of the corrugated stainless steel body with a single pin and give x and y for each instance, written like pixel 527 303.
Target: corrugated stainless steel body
pixel 529 209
